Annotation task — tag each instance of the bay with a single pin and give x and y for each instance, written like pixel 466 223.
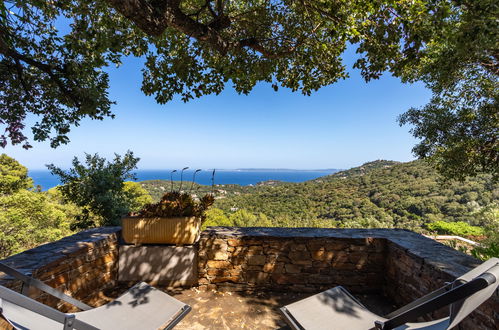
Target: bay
pixel 242 177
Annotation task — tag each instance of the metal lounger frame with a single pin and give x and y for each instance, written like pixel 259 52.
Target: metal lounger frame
pixel 69 321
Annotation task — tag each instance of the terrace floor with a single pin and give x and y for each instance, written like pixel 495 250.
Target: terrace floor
pixel 236 310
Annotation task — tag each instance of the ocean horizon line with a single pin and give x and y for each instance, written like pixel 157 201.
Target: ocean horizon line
pixel 243 177
pixel 249 169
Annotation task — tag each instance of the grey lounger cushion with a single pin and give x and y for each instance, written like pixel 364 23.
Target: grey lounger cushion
pixel 141 307
pixel 337 309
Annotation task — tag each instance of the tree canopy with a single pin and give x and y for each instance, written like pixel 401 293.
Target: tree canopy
pixel 28 217
pixel 13 176
pixel 198 47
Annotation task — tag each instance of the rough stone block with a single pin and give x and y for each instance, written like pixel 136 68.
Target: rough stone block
pixel 239 251
pixel 254 250
pixel 220 279
pixel 299 247
pixel 234 242
pixel 300 257
pixel 256 277
pixel 217 272
pixel 218 264
pixel 269 267
pixel 322 255
pixel 220 255
pixel 256 260
pixel 292 269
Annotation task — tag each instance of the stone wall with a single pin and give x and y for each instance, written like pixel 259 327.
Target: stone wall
pixel 413 271
pixel 244 259
pixel 80 265
pixel 398 263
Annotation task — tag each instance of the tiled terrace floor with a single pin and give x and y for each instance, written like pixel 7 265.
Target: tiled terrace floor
pixel 234 310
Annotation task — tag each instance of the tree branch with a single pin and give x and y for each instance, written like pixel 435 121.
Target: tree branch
pixel 50 70
pixel 154 19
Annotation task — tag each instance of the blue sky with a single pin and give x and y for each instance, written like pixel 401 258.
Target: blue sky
pixel 340 126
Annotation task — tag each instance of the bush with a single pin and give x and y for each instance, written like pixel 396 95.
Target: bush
pixel 244 218
pixel 98 187
pixel 458 228
pixel 216 217
pixel 489 247
pixel 137 197
pixel 29 219
pixel 13 176
pixel 486 251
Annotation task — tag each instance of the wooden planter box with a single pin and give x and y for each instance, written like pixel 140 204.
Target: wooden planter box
pixel 181 230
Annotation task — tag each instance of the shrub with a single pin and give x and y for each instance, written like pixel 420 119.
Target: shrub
pixel 98 187
pixel 486 251
pixel 13 176
pixel 136 196
pixel 216 217
pixel 28 219
pixel 489 247
pixel 458 228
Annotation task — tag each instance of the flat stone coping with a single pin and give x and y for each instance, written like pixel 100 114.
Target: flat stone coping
pixel 432 252
pixel 50 253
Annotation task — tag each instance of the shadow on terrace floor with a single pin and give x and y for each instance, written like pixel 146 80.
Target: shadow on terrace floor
pixel 236 310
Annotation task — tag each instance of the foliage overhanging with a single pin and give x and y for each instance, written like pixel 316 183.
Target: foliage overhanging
pixel 53 56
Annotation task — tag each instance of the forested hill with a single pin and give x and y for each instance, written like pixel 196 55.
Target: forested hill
pixel 361 170
pixel 376 194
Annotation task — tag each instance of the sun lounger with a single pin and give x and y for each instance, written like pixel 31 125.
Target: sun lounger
pixel 141 307
pixel 338 309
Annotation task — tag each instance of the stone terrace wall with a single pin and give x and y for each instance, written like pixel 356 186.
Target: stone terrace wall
pixel 301 260
pixel 81 265
pixel 414 270
pixel 400 263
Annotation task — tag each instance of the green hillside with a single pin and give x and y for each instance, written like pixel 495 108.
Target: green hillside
pixel 363 169
pixel 157 188
pixel 376 194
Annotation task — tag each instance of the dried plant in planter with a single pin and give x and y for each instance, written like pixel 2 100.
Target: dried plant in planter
pixel 177 204
pixel 175 219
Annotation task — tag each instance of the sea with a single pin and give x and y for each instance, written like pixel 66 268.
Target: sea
pixel 242 177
